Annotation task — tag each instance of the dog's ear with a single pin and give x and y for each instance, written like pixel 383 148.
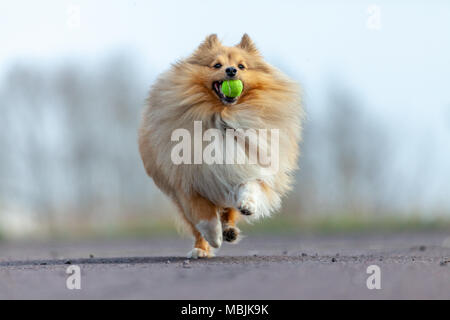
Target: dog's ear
pixel 200 56
pixel 210 42
pixel 247 44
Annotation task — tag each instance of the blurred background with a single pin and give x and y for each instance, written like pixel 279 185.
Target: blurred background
pixel 74 76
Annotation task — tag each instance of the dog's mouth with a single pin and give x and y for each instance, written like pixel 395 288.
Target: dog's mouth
pixel 225 100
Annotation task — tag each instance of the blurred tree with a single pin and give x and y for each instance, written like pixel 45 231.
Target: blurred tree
pixel 358 149
pixel 71 137
pixel 69 145
pixel 344 160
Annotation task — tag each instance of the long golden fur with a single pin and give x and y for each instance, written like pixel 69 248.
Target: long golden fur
pixel 211 198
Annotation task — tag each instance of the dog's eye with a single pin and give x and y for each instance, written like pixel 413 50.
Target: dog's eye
pixel 217 66
pixel 241 66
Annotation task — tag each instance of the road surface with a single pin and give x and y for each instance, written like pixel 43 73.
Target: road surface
pixel 259 267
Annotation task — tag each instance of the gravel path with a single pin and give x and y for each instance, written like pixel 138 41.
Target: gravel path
pixel 275 267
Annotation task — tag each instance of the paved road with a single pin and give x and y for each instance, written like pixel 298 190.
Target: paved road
pixel 412 266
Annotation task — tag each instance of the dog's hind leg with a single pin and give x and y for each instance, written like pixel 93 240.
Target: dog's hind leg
pixel 229 218
pixel 203 217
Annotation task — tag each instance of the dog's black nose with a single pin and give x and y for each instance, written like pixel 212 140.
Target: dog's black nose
pixel 231 71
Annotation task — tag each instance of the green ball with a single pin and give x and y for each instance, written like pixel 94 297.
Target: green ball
pixel 232 88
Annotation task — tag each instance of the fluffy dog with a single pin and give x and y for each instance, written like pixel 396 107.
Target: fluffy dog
pixel 212 197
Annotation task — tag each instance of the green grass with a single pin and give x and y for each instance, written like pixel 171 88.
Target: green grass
pixel 346 223
pixel 141 228
pixel 147 227
pixel 287 225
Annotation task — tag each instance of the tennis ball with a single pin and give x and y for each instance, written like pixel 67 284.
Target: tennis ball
pixel 232 88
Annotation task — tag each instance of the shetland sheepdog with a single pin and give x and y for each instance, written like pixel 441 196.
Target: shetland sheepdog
pixel 187 102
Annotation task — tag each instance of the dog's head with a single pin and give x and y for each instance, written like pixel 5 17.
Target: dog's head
pixel 218 63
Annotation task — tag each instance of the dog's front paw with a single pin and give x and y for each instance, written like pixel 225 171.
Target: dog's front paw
pixel 198 253
pixel 247 206
pixel 231 234
pixel 247 198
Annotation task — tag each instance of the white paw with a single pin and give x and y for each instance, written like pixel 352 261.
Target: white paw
pixel 247 199
pixel 198 253
pixel 211 230
pixel 248 206
pixel 252 201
